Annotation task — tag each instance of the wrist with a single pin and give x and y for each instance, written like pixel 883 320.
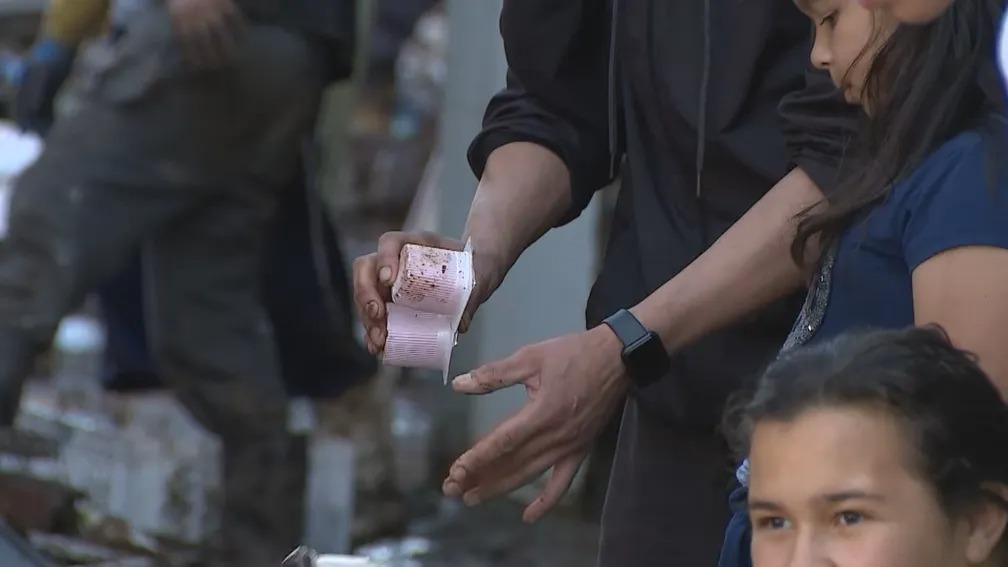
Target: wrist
pixel 492 235
pixel 604 340
pixel 492 253
pixel 664 318
pixel 643 355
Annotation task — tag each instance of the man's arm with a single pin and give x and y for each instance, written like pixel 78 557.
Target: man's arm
pixel 751 265
pixel 544 148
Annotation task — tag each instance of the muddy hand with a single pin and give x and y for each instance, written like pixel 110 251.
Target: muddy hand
pixel 373 275
pixel 574 383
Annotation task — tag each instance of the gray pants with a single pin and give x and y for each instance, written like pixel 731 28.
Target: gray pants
pixel 191 164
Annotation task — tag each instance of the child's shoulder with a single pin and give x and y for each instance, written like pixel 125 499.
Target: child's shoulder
pixel 969 159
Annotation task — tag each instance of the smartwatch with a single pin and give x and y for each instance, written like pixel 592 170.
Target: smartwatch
pixel 644 355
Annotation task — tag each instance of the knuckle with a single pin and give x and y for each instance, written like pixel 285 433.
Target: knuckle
pixel 360 262
pixel 488 378
pixel 508 443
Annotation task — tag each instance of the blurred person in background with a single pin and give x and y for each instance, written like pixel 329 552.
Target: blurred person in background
pixel 682 98
pixel 188 129
pixel 310 311
pixel 394 23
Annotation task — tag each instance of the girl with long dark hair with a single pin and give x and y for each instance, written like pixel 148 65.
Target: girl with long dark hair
pixel 917 232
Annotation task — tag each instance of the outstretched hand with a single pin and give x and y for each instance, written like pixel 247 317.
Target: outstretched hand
pixel 574 383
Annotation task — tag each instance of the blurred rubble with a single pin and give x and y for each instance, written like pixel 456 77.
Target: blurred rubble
pixel 486 536
pixel 393 134
pixel 111 480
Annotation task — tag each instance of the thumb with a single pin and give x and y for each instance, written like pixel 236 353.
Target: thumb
pixel 494 376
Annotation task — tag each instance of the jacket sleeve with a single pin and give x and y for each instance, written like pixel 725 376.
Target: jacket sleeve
pixel 556 94
pixel 820 129
pixel 70 22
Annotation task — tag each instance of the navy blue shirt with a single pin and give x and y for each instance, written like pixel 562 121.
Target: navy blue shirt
pixel 957 197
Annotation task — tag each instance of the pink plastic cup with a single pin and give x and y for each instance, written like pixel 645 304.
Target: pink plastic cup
pixel 417 339
pixel 434 280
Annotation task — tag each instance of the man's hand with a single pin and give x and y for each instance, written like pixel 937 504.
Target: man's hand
pixel 574 383
pixel 374 274
pixel 207 30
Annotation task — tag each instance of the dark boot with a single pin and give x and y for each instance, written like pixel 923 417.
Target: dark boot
pixel 264 494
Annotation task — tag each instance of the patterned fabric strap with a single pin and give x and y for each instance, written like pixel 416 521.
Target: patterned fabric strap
pixel 742 473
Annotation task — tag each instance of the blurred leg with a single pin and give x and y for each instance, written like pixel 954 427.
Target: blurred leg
pixel 214 346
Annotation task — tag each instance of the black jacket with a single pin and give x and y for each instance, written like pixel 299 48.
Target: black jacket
pixel 702 105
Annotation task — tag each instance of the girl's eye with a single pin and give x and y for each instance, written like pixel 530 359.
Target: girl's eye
pixel 829 20
pixel 849 518
pixel 772 523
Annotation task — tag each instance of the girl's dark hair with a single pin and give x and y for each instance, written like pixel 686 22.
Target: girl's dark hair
pixel 926 84
pixel 954 415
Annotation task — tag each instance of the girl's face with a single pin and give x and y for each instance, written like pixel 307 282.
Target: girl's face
pixel 836 487
pixel 847 37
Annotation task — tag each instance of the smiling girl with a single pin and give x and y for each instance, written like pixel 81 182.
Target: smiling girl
pixel 883 449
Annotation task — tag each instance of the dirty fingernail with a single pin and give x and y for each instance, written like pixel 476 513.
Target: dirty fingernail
pixel 372 309
pixel 451 488
pixel 385 274
pixel 462 381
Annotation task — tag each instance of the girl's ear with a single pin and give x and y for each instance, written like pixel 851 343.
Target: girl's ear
pixel 987 525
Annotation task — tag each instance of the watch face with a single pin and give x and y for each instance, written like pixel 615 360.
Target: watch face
pixel 647 360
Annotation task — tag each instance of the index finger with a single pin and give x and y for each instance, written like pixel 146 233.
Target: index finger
pixel 501 443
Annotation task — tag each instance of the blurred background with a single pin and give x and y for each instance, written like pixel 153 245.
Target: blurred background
pixel 106 470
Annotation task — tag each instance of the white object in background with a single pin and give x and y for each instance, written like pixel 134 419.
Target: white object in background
pixel 79 347
pixel 342 561
pixel 18 150
pixel 301 418
pixel 160 472
pixel 411 445
pixel 171 471
pixel 329 506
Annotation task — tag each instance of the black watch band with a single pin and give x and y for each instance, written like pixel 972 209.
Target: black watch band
pixel 626 327
pixel 643 354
